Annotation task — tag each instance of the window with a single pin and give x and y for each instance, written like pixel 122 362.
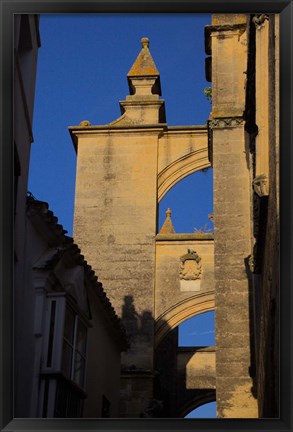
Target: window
pixel 74 347
pixel 64 358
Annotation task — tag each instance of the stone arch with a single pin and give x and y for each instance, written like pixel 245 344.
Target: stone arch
pixel 181 168
pixel 182 311
pixel 198 400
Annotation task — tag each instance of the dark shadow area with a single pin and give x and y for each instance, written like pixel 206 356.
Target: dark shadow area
pixel 176 384
pixel 196 378
pixel 252 323
pixel 138 376
pixel 173 395
pixel 130 318
pixel 262 267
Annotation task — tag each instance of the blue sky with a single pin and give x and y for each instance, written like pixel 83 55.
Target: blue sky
pixel 82 68
pixel 198 331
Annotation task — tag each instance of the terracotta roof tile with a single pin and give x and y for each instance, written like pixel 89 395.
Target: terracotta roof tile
pixel 67 246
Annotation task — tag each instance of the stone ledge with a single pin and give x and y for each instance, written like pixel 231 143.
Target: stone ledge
pixel 220 28
pixel 184 236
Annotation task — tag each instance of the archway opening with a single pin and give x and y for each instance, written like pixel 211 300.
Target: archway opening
pixel 197 331
pixel 186 366
pixel 208 410
pixel 191 202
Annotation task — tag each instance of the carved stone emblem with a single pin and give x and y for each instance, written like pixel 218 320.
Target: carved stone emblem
pixel 190 268
pixel 261 185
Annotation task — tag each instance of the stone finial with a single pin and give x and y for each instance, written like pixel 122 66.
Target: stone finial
pixel 144 68
pixel 168 227
pixel 85 123
pixel 143 104
pixel 145 42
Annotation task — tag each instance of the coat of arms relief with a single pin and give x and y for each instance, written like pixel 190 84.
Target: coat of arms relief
pixel 190 271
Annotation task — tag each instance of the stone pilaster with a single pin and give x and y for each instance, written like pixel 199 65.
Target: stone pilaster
pixel 232 186
pixel 227 43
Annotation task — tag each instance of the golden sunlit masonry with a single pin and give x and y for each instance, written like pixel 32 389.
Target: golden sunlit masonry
pixel 156 280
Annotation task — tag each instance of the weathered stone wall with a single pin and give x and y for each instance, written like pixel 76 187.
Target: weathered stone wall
pixel 115 225
pixel 137 391
pixel 166 373
pixel 170 289
pixel 196 368
pixel 228 48
pixel 179 373
pixel 115 205
pixel 196 382
pixel 232 217
pixel 232 289
pixel 268 246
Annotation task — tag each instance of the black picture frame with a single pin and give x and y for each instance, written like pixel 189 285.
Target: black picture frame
pixel 8 9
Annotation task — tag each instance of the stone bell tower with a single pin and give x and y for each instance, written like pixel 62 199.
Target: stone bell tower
pixel 123 169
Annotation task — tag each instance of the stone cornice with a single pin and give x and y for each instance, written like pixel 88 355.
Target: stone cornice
pixel 85 128
pixel 93 129
pixel 77 131
pixel 225 27
pixel 180 130
pixel 187 128
pixel 237 27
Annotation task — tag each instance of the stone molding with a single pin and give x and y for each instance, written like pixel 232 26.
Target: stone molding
pixel 225 27
pixel 184 237
pixel 181 311
pixel 225 122
pixel 180 168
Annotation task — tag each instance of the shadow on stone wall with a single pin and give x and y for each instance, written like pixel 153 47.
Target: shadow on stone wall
pixel 139 327
pixel 138 376
pixel 174 384
pixel 252 330
pixel 171 397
